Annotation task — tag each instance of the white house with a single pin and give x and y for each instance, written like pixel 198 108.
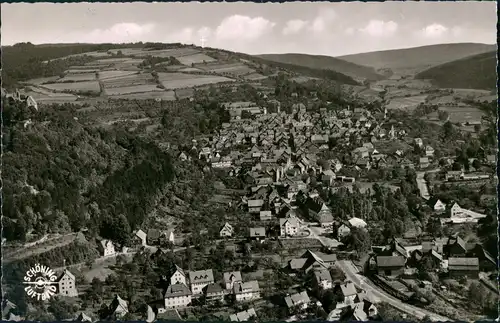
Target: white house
pixel 67 284
pixel 231 278
pixel 357 222
pixel 246 291
pixel 289 227
pixel 429 151
pixel 107 248
pixel 199 279
pixel 348 293
pixel 177 275
pixel 298 300
pixel 343 231
pixel 177 295
pixel 226 231
pixel 439 206
pixel 323 278
pixel 419 142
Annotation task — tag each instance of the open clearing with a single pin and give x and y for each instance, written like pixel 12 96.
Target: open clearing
pixel 41 80
pixel 114 74
pixel 91 86
pixel 195 59
pixel 164 95
pixel 131 89
pixel 77 77
pixel 180 80
pixel 406 103
pixel 231 68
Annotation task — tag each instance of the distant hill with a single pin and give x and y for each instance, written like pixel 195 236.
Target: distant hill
pixel 326 62
pixel 474 72
pixel 417 59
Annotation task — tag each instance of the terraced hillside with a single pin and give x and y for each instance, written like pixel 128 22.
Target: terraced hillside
pixel 475 72
pixel 326 62
pixel 417 59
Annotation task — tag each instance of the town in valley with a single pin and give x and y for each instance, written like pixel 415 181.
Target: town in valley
pixel 151 181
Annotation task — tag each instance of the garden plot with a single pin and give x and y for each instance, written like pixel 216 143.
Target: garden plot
pixel 163 95
pixel 195 59
pixel 90 86
pixel 406 102
pixel 255 77
pixel 131 89
pixel 104 75
pixel 180 80
pixel 77 77
pixel 129 80
pixel 184 93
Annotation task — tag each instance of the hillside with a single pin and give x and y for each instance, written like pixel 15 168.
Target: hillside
pixel 475 72
pixel 417 59
pixel 326 62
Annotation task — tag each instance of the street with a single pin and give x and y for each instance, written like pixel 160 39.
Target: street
pixel 381 296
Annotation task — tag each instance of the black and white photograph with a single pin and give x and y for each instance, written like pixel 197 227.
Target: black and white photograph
pixel 249 162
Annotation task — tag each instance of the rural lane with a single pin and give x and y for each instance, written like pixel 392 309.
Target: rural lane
pixel 381 296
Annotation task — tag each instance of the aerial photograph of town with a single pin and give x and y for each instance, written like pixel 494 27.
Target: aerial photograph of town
pixel 261 162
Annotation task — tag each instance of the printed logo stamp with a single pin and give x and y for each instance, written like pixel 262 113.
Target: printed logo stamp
pixel 41 282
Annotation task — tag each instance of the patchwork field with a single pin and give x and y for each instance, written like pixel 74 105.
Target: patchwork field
pixel 81 69
pixel 103 75
pixel 77 77
pixel 406 102
pixel 195 59
pixel 236 69
pixel 164 95
pixel 180 80
pixel 129 80
pixel 131 89
pixel 90 86
pixel 42 80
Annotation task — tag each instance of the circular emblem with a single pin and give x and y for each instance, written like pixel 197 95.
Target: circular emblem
pixel 41 282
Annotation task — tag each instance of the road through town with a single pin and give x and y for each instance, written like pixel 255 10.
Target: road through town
pixel 381 296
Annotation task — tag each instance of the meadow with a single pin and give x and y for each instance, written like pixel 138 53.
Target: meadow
pixel 88 86
pixel 180 80
pixel 77 77
pixel 131 89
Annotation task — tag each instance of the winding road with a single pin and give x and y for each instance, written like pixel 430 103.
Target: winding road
pixel 379 295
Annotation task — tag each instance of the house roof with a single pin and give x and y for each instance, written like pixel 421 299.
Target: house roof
pixel 257 232
pixel 255 203
pixel 292 221
pixel 357 222
pixel 297 263
pixel 243 316
pixel 232 276
pixel 140 234
pixel 322 274
pixel 119 302
pixel 390 261
pixel 66 273
pixel 213 288
pixel 153 233
pixel 201 276
pixel 463 263
pixel 247 287
pixel 83 318
pixel 177 290
pixel 297 299
pixel 348 289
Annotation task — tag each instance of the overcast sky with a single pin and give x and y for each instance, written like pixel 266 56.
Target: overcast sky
pixel 326 28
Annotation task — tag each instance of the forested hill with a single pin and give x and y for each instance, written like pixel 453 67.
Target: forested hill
pixel 475 72
pixel 325 62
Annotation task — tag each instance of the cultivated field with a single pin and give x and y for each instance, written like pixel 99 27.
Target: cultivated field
pixel 129 80
pixel 103 75
pixel 77 77
pixel 81 70
pixel 112 60
pixel 231 68
pixel 195 59
pixel 189 70
pixel 90 86
pixel 131 89
pixel 42 80
pixel 164 95
pixel 180 80
pixel 406 102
